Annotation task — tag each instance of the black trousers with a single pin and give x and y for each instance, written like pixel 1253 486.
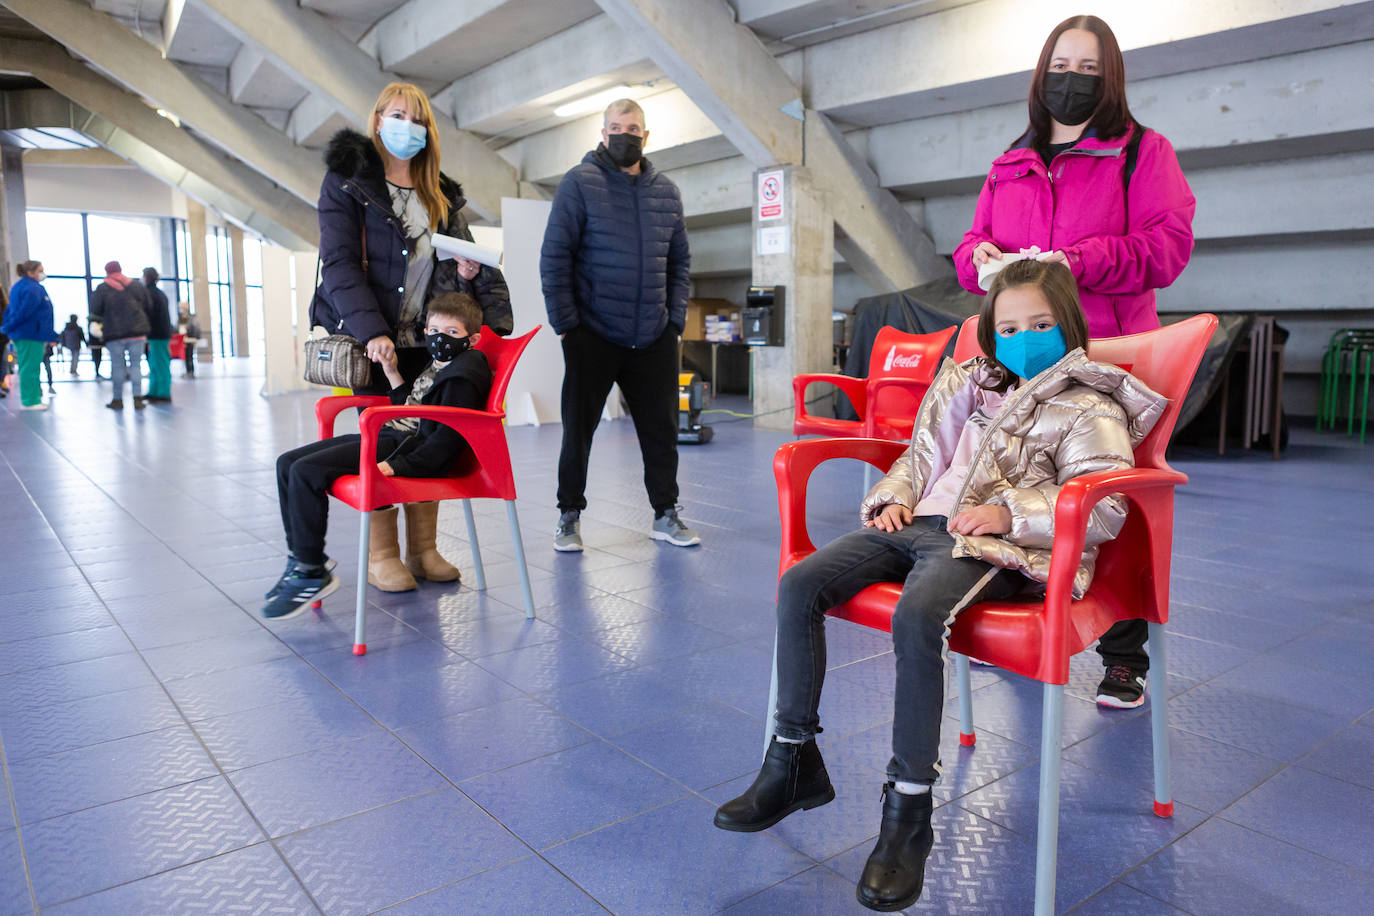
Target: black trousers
pixel 1124 644
pixel 303 478
pixel 648 378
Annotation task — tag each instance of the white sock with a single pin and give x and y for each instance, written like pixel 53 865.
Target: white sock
pixel 790 740
pixel 911 788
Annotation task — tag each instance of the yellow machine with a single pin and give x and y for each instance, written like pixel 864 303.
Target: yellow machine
pixel 692 397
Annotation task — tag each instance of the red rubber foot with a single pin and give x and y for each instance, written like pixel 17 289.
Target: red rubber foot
pixel 967 740
pixel 360 648
pixel 1164 809
pixel 317 605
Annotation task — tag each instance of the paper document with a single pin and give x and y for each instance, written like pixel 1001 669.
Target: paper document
pixel 449 247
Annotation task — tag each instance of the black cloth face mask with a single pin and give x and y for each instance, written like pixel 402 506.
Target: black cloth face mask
pixel 1071 97
pixel 443 349
pixel 625 149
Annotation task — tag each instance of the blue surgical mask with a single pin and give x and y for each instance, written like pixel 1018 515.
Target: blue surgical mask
pixel 402 138
pixel 1029 353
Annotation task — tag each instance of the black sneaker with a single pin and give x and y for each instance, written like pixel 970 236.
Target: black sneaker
pixel 329 564
pixel 297 590
pixel 1122 688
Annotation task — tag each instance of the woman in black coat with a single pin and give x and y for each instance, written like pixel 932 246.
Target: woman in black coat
pixel 382 199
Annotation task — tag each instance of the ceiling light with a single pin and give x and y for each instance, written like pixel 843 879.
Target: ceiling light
pixel 169 116
pixel 592 103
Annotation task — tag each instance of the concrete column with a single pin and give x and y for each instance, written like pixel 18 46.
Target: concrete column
pixel 14 233
pixel 805 233
pixel 238 296
pixel 279 322
pixel 200 279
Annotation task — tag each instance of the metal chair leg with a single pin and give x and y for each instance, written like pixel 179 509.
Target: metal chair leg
pixel 967 737
pixel 770 717
pixel 476 550
pixel 360 617
pixel 1047 835
pixel 520 558
pixel 1159 719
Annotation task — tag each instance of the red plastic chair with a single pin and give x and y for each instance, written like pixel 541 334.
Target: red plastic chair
pixel 1036 638
pixel 486 473
pixel 900 369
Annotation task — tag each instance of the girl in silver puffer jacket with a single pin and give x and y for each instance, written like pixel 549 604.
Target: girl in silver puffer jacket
pixel 966 514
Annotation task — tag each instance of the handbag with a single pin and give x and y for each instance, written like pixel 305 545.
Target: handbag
pixel 339 360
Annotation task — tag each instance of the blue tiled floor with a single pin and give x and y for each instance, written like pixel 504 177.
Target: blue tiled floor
pixel 163 747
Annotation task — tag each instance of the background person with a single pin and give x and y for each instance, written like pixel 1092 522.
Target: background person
pixel 614 271
pixel 382 198
pixel 159 340
pixel 72 337
pixel 1118 213
pixel 28 324
pixel 189 329
pixel 120 306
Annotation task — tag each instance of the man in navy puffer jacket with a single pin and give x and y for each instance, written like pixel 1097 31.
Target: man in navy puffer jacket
pixel 614 269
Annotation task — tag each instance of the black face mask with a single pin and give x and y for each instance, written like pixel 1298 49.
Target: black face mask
pixel 625 149
pixel 1071 97
pixel 443 348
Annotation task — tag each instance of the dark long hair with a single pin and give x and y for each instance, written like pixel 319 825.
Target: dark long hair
pixel 1112 117
pixel 1053 281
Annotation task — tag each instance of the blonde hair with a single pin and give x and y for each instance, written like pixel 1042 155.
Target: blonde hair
pixel 623 106
pixel 424 168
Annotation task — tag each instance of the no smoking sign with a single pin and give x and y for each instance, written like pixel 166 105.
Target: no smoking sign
pixel 770 199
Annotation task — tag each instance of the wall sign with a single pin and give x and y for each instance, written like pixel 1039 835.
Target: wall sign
pixel 770 195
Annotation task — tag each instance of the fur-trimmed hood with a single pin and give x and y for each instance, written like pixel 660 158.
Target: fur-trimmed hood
pixel 352 155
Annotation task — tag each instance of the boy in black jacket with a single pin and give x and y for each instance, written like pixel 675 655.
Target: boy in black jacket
pixel 457 376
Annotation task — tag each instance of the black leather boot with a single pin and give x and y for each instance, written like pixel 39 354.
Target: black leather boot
pixel 896 868
pixel 793 778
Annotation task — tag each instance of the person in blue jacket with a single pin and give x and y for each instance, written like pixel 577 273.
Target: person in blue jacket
pixel 614 271
pixel 28 323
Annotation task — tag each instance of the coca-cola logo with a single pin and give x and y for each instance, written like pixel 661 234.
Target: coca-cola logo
pixel 895 361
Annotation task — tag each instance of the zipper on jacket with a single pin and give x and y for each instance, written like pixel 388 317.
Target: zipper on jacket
pixel 987 437
pixel 639 256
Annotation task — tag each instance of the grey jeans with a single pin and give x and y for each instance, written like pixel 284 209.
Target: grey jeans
pixel 118 350
pixel 936 588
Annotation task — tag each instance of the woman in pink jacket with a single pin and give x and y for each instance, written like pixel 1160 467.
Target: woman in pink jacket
pixel 1089 186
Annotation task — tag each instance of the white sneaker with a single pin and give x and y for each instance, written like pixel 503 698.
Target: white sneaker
pixel 42 405
pixel 668 527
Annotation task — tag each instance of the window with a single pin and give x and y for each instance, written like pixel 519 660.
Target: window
pixel 221 274
pixel 252 275
pixel 74 248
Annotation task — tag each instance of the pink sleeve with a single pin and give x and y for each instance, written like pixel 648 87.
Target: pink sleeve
pixel 1159 237
pixel 980 231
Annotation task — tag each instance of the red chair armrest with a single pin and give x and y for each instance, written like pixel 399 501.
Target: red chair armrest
pixel 793 465
pixel 854 388
pixel 327 409
pixel 914 385
pixel 1071 512
pixel 480 428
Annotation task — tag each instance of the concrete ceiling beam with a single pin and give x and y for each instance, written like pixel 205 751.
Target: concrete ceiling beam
pixel 747 98
pixel 527 85
pixel 302 43
pixel 980 54
pixel 126 125
pixel 137 65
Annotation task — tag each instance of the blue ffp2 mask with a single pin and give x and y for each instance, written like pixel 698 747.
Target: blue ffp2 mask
pixel 402 138
pixel 1029 353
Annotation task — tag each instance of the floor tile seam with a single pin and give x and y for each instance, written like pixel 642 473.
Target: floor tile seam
pixel 686 794
pixel 1117 881
pixel 591 736
pixel 125 798
pixel 210 858
pixel 297 831
pixel 18 828
pixel 1286 842
pixel 1241 747
pixel 1305 710
pixel 754 894
pixel 239 771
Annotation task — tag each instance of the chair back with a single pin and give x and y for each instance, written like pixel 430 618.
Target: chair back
pixel 897 354
pixel 966 347
pixel 502 354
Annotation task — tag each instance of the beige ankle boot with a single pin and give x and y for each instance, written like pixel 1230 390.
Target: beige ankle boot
pixel 422 557
pixel 384 567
